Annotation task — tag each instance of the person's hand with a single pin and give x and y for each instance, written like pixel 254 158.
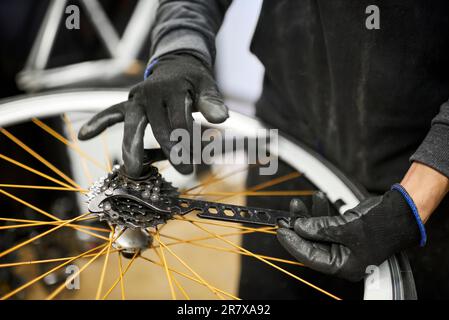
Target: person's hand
pixel 345 245
pixel 178 85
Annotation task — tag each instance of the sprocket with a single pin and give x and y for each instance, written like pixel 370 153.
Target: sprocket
pixel 123 201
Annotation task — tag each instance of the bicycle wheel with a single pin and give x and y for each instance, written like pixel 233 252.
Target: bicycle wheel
pixel 391 280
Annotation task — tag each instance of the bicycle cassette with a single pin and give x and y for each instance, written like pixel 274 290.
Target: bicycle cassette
pixel 150 201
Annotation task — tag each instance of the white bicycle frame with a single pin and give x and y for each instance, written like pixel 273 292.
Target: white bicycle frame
pixel 123 51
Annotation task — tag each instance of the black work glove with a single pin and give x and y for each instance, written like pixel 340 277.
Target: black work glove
pixel 178 85
pixel 345 245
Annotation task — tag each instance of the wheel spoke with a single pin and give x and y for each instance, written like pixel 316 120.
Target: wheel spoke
pixel 213 180
pixel 84 267
pixel 266 184
pixel 36 279
pixel 24 166
pixel 184 241
pixel 203 245
pixel 29 205
pixel 74 147
pixel 191 270
pixel 191 278
pixel 39 157
pixel 74 140
pixel 33 262
pixel 46 223
pixel 24 186
pixel 287 193
pixel 180 288
pixel 75 274
pixel 121 276
pixel 103 271
pixel 230 224
pixel 73 225
pixel 167 273
pixel 20 245
pixel 269 263
pixel 120 269
pixel 107 157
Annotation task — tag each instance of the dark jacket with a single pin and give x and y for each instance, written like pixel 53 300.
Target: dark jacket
pixel 368 100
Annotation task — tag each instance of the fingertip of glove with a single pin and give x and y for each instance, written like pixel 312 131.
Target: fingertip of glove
pixel 213 109
pixel 298 207
pixel 319 196
pixel 85 133
pixel 283 224
pixel 219 115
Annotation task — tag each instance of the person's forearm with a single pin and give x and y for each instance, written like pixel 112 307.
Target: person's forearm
pixel 187 25
pixel 426 186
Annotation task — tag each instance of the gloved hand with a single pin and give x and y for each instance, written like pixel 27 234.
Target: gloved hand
pixel 345 245
pixel 177 85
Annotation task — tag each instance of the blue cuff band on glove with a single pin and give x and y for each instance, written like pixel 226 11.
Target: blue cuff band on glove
pixel 149 68
pixel 414 209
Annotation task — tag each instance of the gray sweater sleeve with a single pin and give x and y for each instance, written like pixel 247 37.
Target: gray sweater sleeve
pixel 187 25
pixel 434 150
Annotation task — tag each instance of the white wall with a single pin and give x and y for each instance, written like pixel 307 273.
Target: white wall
pixel 239 73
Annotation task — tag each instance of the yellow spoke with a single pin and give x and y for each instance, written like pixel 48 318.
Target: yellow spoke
pixel 267 184
pixel 168 272
pixel 287 193
pixel 29 205
pixel 228 225
pixel 24 186
pixel 269 263
pixel 23 166
pixel 180 288
pixel 33 262
pixel 204 245
pixel 213 180
pixel 20 245
pixel 68 143
pixel 74 139
pixel 84 267
pixel 190 278
pixel 120 269
pixel 39 157
pixel 37 221
pixel 184 241
pixel 76 274
pixel 31 282
pixel 81 228
pixel 208 181
pixel 191 270
pixel 21 220
pixel 106 151
pixel 275 181
pixel 103 271
pixel 93 234
pixel 46 223
pixel 172 290
pixel 121 275
pixel 25 225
